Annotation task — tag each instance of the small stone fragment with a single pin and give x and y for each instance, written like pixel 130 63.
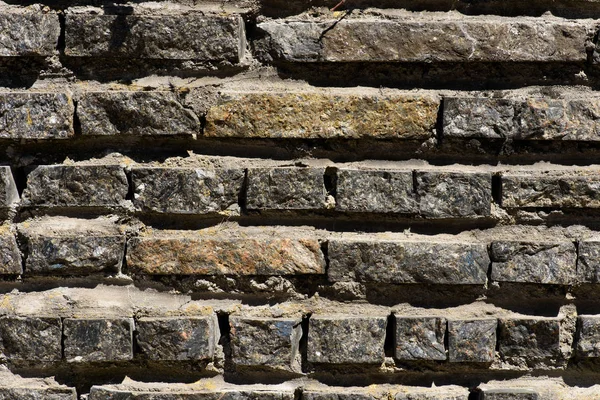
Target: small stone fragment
pixel 472 340
pixel 98 340
pixel 420 338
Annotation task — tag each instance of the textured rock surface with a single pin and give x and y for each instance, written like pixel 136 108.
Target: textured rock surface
pixel 588 342
pixel 135 113
pixel 529 338
pixel 420 338
pixel 30 115
pixel 98 340
pixel 588 260
pixel 30 338
pixel 316 115
pixel 8 189
pixel 186 190
pixel 170 37
pixel 479 118
pixel 28 32
pixel 346 339
pixel 10 256
pixel 414 260
pixel 472 340
pixel 509 394
pixel 549 262
pixel 13 387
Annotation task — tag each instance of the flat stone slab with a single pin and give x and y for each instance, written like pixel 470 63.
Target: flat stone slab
pixel 14 387
pixel 30 339
pixel 420 338
pixel 472 340
pixel 10 255
pixel 98 340
pixel 28 32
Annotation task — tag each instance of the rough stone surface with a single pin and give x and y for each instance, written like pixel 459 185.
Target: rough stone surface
pixel 286 189
pixel 186 190
pixel 135 113
pixel 98 340
pixel 346 339
pixel 176 338
pixel 168 37
pixel 472 340
pixel 376 191
pixel 9 195
pixel 454 194
pixel 254 251
pixel 479 118
pixel 76 186
pixel 266 342
pixel 316 115
pixel 588 260
pixel 366 259
pixel 420 338
pixel 14 387
pixel 534 262
pixel 509 394
pixel 30 338
pixel 529 338
pixel 28 32
pixel 422 39
pixel 34 115
pixel 588 342
pixel 10 256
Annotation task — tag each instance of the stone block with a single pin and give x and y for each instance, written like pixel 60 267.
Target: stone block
pixel 383 259
pixel 224 251
pixel 14 387
pixel 98 340
pixel 375 191
pixel 192 36
pixel 346 339
pixel 588 342
pixel 420 338
pixel 28 32
pixel 283 188
pixel 186 190
pixel 472 340
pixel 177 338
pixel 529 338
pixel 509 394
pixel 30 339
pixel 322 116
pixel 337 394
pixel 10 255
pixel 9 195
pixel 588 260
pixel 483 118
pixel 210 390
pixel 266 342
pixel 36 115
pixel 550 262
pixel 436 393
pixel 454 194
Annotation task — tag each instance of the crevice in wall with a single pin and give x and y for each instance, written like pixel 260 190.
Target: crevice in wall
pixel 389 344
pixel 330 181
pixel 497 189
pixel 225 339
pixel 20 177
pixel 242 195
pixel 61 43
pixel 303 345
pixel 439 124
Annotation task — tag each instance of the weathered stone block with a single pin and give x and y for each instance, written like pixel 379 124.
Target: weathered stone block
pixel 30 338
pixel 588 342
pixel 472 340
pixel 588 260
pixel 534 262
pixel 186 190
pixel 9 195
pixel 346 339
pixel 266 342
pixel 29 115
pixel 10 256
pixel 424 39
pixel 28 32
pixel 338 394
pixel 244 251
pixel 319 115
pixel 155 113
pixel 368 258
pixel 210 390
pixel 479 118
pixel 454 194
pixel 376 191
pixel 14 387
pixel 509 394
pixel 177 338
pixel 438 393
pixel 72 246
pixel 529 338
pixel 286 189
pixel 420 338
pixel 76 186
pixel 97 340
pixel 166 37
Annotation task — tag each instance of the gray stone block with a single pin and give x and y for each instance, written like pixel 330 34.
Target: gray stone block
pixel 28 32
pixel 509 394
pixel 472 340
pixel 175 392
pixel 529 338
pixel 30 339
pixel 375 191
pixel 479 118
pixel 177 338
pixel 98 340
pixel 346 339
pixel 9 195
pixel 588 260
pixel 266 342
pixel 10 255
pixel 588 342
pixel 534 262
pixel 14 387
pixel 454 194
pixel 420 338
pixel 417 260
pixel 337 395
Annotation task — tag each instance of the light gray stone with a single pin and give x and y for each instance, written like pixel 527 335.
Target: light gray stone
pixel 472 340
pixel 98 340
pixel 14 387
pixel 420 338
pixel 30 339
pixel 28 32
pixel 588 260
pixel 509 394
pixel 10 256
pixel 9 195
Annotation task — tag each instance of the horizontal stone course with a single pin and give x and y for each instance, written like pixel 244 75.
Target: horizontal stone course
pixel 28 32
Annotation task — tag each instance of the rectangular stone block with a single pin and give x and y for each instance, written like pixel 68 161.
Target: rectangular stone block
pixel 28 32
pixel 191 36
pixel 187 190
pixel 548 262
pixel 588 342
pixel 588 260
pixel 98 340
pixel 509 394
pixel 213 251
pixel 10 255
pixel 435 393
pixel 9 195
pixel 70 246
pixel 136 113
pixel 266 342
pixel 177 338
pixel 425 39
pixel 320 115
pixel 415 259
pixel 346 339
pixel 454 194
pixel 529 338
pixel 376 191
pixel 36 115
pixel 485 118
pixel 30 339
pixel 76 186
pixel 14 387
pixel 340 394
pixel 201 390
pixel 472 340
pixel 283 188
pixel 420 338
